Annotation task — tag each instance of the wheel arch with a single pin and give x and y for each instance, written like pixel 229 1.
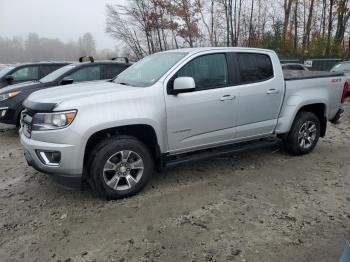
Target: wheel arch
pixel 318 108
pixel 145 133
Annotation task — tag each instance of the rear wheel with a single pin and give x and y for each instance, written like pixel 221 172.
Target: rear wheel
pixel 120 167
pixel 303 135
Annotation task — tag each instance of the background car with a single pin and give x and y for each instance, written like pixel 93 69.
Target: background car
pixel 294 66
pixel 343 67
pixel 11 97
pixel 19 73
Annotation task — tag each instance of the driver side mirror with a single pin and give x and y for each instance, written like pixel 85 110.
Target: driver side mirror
pixel 67 81
pixel 184 85
pixel 9 79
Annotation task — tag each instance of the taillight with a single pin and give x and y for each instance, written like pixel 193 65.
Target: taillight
pixel 345 92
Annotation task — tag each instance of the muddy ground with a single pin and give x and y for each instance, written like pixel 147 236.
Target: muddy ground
pixel 262 205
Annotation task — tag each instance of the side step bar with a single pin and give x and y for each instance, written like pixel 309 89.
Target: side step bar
pixel 219 151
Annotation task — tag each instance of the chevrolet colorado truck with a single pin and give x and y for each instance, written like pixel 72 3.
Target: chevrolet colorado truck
pixel 174 107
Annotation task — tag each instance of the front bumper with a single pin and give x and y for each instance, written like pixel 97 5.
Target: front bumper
pixel 69 170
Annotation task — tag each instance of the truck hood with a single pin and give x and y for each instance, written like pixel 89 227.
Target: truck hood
pixel 78 93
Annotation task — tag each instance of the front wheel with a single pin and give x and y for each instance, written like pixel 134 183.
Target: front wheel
pixel 303 135
pixel 120 167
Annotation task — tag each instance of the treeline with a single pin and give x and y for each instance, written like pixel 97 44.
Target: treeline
pixel 302 28
pixel 35 48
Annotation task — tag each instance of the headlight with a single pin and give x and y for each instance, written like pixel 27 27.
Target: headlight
pixel 8 95
pixel 51 121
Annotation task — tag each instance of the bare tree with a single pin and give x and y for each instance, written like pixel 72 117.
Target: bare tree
pixel 187 12
pixel 306 37
pixel 343 13
pixel 287 10
pixel 87 45
pixel 288 26
pixel 330 26
pixel 251 24
pixel 118 28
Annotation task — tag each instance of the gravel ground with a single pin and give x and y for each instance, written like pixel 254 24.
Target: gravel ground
pixel 262 205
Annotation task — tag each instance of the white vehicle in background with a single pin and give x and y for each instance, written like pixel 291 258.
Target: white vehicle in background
pixel 342 67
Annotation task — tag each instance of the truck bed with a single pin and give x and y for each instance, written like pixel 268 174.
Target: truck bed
pixel 290 75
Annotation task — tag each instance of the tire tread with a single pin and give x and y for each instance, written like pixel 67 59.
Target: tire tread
pixel 92 164
pixel 289 141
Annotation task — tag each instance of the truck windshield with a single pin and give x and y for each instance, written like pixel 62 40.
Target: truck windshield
pixel 150 69
pixel 56 74
pixel 343 67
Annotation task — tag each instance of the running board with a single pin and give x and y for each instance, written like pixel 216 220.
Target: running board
pixel 219 151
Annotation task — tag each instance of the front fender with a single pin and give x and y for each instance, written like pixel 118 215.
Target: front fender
pixel 122 123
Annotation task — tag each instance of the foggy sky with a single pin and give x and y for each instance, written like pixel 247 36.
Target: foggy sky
pixel 63 19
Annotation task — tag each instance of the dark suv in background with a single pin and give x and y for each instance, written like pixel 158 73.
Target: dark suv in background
pixel 11 97
pixel 19 73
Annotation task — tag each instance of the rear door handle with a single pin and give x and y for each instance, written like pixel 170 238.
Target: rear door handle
pixel 272 91
pixel 227 97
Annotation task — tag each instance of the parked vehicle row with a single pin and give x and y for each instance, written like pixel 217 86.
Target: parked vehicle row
pixel 173 107
pixel 12 97
pixel 14 74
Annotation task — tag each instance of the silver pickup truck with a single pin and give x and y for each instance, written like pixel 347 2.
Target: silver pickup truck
pixel 173 107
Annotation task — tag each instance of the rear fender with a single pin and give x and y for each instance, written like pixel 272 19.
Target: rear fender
pixel 292 107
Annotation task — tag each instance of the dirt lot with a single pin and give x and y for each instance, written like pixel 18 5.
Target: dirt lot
pixel 259 206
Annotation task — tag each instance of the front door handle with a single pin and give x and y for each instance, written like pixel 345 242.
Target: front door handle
pixel 272 91
pixel 227 97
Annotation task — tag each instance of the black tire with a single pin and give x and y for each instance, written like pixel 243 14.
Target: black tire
pixel 293 143
pixel 107 150
pixel 18 119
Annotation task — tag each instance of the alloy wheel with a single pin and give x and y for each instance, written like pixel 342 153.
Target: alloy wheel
pixel 123 170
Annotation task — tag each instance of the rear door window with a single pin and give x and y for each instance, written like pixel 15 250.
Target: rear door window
pixel 208 71
pixel 254 67
pixel 47 69
pixel 89 73
pixel 26 73
pixel 111 71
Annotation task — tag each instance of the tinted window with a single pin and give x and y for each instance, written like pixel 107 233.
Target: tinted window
pixel 209 71
pixel 55 75
pixel 47 69
pixel 254 67
pixel 86 74
pixel 111 71
pixel 26 73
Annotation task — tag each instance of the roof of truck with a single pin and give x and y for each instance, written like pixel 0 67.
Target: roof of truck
pixel 40 63
pixel 204 49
